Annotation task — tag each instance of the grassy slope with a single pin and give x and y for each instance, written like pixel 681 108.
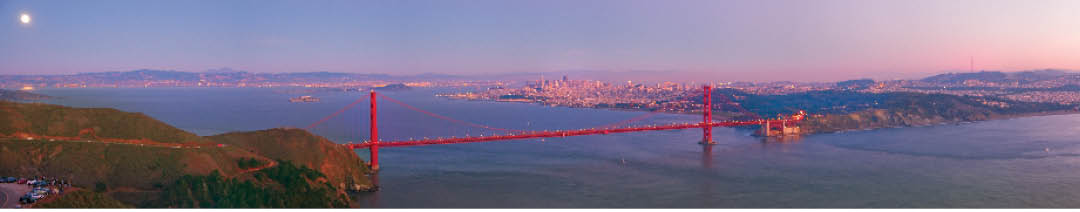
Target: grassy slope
pixel 116 165
pixel 53 120
pixel 135 170
pixel 282 186
pixel 340 165
pixel 84 199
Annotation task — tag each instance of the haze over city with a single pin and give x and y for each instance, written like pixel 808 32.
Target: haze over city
pixel 733 40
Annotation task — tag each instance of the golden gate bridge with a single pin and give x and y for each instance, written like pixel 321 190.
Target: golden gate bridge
pixel 706 125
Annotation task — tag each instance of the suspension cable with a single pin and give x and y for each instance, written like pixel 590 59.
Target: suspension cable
pixel 335 114
pixel 444 117
pixel 627 121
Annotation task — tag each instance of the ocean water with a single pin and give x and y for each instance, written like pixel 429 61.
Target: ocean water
pixel 1025 162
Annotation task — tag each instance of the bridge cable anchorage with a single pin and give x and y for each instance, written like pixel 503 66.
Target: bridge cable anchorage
pixel 447 118
pixel 334 114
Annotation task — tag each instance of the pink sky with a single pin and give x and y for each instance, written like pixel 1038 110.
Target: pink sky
pixel 737 40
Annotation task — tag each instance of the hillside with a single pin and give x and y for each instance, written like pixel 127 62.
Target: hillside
pixel 84 199
pixel 394 87
pixel 116 165
pixel 340 165
pixel 282 186
pixel 137 173
pixel 916 109
pixel 998 77
pixel 839 110
pixel 53 120
pixel 846 101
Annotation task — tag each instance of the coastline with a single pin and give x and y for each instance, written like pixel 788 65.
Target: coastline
pixel 715 115
pixel 928 121
pixel 994 117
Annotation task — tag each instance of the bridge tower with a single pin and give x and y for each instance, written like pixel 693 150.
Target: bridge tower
pixel 707 121
pixel 374 149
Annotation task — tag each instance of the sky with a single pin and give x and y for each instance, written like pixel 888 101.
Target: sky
pixel 753 40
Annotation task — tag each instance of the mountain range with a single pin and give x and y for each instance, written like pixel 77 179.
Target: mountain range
pixel 1000 77
pixel 232 76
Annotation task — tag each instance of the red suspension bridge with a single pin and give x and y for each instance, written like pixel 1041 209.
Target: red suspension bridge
pixel 706 125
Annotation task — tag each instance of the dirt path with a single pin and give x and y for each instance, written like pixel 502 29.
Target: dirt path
pixel 129 190
pixel 95 139
pixel 271 163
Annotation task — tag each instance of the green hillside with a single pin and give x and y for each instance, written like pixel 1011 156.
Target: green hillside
pixel 84 199
pixel 53 120
pixel 341 166
pixel 140 175
pixel 115 165
pixel 283 186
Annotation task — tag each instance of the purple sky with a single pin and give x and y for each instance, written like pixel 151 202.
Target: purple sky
pixel 797 40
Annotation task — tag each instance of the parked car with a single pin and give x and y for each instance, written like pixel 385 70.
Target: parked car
pixel 12 179
pixel 21 181
pixel 4 180
pixel 27 199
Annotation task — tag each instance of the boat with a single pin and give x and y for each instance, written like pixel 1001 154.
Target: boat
pixel 304 99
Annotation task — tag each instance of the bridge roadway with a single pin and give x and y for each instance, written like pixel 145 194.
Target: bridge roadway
pixel 560 133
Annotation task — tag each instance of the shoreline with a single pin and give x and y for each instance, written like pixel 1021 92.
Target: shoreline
pixel 805 132
pixel 992 118
pixel 597 108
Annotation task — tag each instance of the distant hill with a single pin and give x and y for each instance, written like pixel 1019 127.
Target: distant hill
pixel 394 87
pixel 843 102
pixel 10 95
pixel 856 84
pixel 999 77
pixel 838 110
pixel 141 75
pixel 149 78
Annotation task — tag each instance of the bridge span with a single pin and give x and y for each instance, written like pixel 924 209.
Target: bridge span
pixel 706 125
pixel 557 133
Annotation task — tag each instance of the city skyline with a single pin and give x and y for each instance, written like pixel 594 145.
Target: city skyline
pixel 732 40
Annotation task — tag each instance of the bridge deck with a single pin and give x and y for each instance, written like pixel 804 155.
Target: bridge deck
pixel 560 133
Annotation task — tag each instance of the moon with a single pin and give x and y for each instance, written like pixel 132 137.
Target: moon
pixel 24 18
